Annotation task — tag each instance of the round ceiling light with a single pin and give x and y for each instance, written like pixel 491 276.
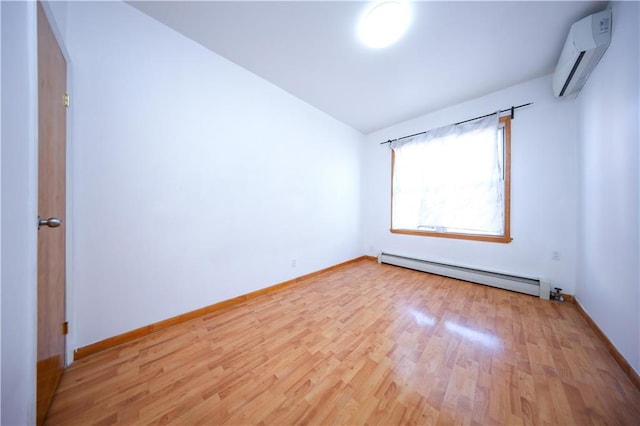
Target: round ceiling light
pixel 384 23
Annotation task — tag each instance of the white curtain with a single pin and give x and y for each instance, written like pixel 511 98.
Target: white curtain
pixel 451 179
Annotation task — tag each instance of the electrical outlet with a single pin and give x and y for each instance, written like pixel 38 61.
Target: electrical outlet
pixel 555 255
pixel 294 262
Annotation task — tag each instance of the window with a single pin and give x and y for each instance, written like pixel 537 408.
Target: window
pixel 454 182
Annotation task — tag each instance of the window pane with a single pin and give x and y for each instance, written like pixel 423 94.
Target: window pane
pixel 454 183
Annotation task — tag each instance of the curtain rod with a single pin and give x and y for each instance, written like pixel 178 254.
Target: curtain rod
pixel 512 110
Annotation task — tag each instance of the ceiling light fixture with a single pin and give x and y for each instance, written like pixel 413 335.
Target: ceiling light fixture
pixel 384 22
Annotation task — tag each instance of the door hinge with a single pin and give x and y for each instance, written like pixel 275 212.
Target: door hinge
pixel 66 100
pixel 65 328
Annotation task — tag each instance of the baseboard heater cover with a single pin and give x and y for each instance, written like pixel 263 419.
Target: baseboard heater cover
pixel 533 286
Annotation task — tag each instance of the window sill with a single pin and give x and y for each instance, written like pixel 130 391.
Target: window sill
pixel 503 239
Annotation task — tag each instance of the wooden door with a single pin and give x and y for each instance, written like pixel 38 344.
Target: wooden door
pixel 52 79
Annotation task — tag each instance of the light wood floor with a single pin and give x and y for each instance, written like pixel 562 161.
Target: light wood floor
pixel 367 343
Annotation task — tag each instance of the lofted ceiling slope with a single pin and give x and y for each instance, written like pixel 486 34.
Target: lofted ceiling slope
pixel 453 51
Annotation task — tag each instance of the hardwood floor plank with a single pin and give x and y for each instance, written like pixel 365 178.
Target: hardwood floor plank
pixel 362 344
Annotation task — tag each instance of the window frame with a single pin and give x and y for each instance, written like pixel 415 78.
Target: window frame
pixel 505 123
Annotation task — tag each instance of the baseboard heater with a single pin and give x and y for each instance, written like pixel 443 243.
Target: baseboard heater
pixel 533 286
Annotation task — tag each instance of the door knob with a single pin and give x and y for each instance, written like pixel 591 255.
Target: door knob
pixel 52 222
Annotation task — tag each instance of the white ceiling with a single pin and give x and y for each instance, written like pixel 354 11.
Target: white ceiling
pixel 452 52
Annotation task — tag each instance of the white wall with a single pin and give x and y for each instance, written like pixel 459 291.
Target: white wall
pixel 58 15
pixel 609 256
pixel 0 214
pixel 195 180
pixel 544 187
pixel 18 210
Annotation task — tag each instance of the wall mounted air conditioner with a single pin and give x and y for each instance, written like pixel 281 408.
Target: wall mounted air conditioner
pixel 587 41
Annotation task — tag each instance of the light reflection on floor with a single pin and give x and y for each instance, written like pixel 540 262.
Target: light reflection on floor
pixel 422 319
pixel 485 339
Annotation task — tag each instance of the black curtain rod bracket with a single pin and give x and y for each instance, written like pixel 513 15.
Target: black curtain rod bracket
pixel 511 110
